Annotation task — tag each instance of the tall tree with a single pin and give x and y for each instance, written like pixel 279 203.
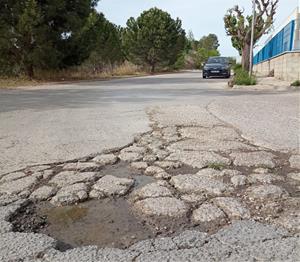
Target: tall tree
pixel 238 26
pixel 209 42
pixel 31 48
pixel 100 42
pixel 154 39
pixel 41 33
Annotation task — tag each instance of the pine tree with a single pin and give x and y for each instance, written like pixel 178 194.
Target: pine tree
pixel 154 39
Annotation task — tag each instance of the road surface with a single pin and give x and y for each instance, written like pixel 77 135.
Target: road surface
pixel 63 122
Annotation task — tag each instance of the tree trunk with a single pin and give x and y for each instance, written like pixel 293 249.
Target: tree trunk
pixel 30 71
pixel 246 57
pixel 152 70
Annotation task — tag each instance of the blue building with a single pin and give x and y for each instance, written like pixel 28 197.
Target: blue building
pixel 281 52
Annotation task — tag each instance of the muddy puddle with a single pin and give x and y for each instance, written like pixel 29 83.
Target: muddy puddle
pixel 105 223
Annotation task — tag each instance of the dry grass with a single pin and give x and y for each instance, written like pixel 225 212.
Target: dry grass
pixel 74 74
pixel 13 82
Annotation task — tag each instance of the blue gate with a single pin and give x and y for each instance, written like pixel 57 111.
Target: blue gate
pixel 280 43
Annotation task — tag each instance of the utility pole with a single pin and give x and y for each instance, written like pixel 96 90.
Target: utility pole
pixel 252 37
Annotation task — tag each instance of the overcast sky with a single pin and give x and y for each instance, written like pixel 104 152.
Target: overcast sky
pixel 200 16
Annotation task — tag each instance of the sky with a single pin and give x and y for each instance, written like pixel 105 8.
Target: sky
pixel 202 17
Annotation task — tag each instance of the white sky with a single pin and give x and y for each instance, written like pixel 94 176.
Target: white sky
pixel 200 16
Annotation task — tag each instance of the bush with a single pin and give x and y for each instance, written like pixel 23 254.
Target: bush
pixel 296 83
pixel 242 77
pixel 237 67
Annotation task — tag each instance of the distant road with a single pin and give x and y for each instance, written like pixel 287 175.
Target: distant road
pixel 62 122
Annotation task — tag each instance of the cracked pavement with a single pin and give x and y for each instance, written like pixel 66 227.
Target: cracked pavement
pixel 224 187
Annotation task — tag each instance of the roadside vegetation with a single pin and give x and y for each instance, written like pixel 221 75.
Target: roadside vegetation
pixel 197 52
pixel 242 77
pixel 70 40
pixel 296 83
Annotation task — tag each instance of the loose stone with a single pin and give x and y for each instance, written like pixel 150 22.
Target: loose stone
pixel 43 193
pixel 130 156
pixel 17 186
pixel 261 170
pixel 160 154
pixel 139 165
pixel 232 207
pixel 106 159
pixel 71 177
pixel 264 178
pixel 162 207
pixel 167 164
pixel 111 186
pixel 149 158
pixel 210 173
pixel 266 192
pixel 153 170
pixel 134 149
pixel 208 213
pixel 254 159
pixel 239 180
pixel 71 194
pixel 193 198
pixel 198 159
pixel 295 161
pixel 162 175
pixel 197 184
pixel 151 191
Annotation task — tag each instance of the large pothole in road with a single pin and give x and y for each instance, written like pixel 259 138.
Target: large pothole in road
pixel 108 222
pixel 104 223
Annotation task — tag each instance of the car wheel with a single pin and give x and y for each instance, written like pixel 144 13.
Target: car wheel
pixel 204 76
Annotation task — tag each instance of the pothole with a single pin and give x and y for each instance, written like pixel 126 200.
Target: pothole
pixel 104 223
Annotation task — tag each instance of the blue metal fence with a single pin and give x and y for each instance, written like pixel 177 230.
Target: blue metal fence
pixel 280 43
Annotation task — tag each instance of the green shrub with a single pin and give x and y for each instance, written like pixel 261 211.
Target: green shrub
pixel 296 83
pixel 242 77
pixel 237 67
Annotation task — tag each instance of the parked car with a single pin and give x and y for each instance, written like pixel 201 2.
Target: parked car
pixel 217 66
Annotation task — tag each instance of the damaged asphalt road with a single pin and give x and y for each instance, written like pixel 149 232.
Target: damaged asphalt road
pixel 207 189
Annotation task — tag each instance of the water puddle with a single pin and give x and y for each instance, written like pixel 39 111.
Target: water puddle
pixel 105 223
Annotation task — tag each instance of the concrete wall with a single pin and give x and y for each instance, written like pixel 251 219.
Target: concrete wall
pixel 297 31
pixel 286 66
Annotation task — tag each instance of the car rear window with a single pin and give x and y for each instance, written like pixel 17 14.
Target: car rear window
pixel 217 60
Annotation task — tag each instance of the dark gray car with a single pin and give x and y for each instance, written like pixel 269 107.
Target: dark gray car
pixel 217 66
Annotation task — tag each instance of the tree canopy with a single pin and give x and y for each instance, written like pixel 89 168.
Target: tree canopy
pixel 209 42
pixel 198 51
pixel 154 39
pixel 238 26
pixel 54 34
